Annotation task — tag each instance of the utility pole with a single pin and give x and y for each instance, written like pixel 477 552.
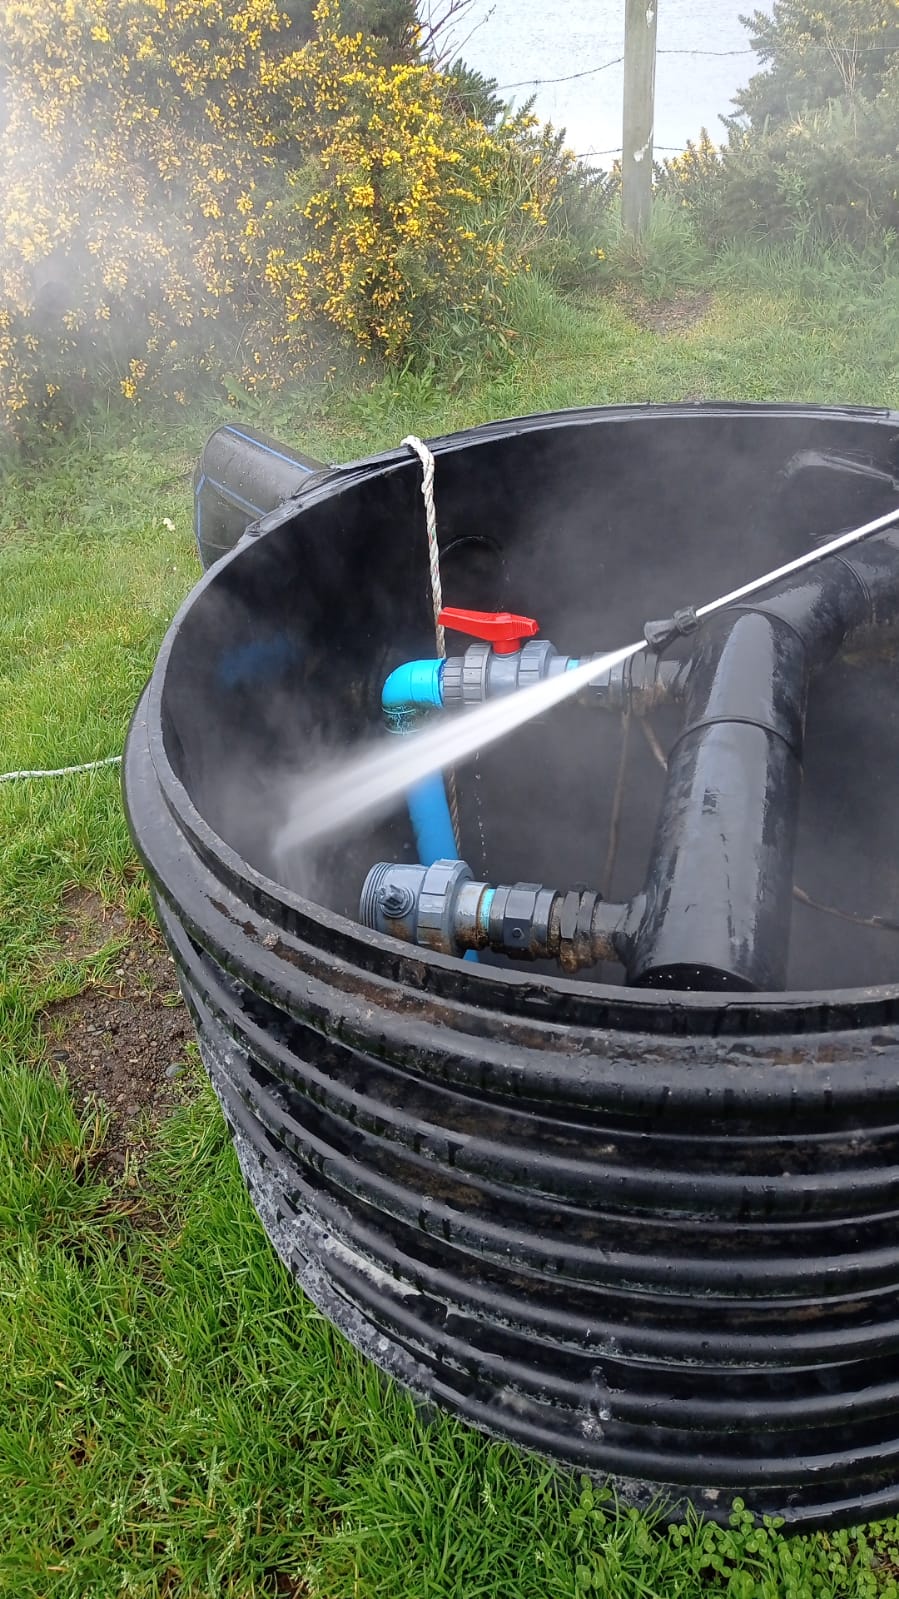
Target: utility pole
pixel 640 18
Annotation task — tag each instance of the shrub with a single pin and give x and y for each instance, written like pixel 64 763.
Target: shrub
pixel 666 257
pixel 183 189
pixel 121 179
pixel 816 51
pixel 813 152
pixel 408 221
pixel 578 211
pixel 828 175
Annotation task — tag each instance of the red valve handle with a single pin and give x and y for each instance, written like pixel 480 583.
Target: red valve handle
pixel 501 628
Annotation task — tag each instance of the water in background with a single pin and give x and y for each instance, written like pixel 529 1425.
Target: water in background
pixel 529 39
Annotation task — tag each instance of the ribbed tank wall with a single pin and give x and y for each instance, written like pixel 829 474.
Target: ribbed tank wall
pixel 651 1235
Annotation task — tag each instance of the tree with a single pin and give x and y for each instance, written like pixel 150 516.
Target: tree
pixel 815 153
pixel 817 51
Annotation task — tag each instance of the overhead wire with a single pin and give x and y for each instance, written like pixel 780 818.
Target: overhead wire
pixel 604 66
pixel 664 149
pixel 587 72
pixel 538 83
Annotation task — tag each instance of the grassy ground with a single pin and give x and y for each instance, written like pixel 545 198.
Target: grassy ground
pixel 175 1419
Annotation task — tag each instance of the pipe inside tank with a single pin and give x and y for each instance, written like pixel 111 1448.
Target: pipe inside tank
pixel 714 913
pixel 717 902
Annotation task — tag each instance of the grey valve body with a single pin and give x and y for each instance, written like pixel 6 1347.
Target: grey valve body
pixel 481 674
pixel 441 907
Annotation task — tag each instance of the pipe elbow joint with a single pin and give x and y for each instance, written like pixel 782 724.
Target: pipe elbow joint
pixel 414 686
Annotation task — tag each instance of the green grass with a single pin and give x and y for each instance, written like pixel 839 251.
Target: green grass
pixel 175 1419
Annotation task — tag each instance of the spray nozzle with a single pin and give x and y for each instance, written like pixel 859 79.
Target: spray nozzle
pixel 502 629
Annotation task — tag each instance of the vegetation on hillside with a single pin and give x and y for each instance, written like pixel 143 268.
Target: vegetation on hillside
pixel 192 186
pixel 812 150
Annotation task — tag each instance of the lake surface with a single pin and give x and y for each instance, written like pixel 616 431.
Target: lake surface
pixel 540 39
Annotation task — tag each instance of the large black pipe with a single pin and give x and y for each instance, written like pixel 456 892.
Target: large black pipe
pixel 718 897
pixel 717 903
pixel 240 476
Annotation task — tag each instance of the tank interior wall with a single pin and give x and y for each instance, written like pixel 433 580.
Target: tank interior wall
pixel 593 526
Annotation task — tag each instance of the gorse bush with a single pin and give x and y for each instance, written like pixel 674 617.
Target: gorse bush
pixel 420 208
pixel 831 174
pixel 815 51
pixel 183 187
pixel 122 187
pixel 578 216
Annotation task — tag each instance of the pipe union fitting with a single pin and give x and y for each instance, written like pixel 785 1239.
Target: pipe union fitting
pixel 419 904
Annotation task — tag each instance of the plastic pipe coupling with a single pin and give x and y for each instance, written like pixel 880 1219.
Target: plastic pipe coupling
pixel 638 684
pixel 441 907
pixel 510 657
pixel 484 674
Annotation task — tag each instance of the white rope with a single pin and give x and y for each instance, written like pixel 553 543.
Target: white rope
pixel 427 491
pixel 62 771
pixel 428 465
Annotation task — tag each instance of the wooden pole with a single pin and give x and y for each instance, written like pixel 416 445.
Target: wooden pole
pixel 640 19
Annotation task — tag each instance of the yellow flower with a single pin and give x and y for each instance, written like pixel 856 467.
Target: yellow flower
pixel 185 208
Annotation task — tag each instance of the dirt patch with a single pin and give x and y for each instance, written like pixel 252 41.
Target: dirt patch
pixel 677 315
pixel 88 923
pixel 289 1587
pixel 122 1041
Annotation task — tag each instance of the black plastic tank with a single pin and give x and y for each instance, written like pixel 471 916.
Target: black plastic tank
pixel 652 1234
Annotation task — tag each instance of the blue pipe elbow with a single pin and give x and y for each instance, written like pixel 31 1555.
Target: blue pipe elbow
pixel 417 684
pixel 409 690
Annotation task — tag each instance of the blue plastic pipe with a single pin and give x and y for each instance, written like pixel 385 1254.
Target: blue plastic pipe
pixel 431 821
pixel 412 688
pixel 415 686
